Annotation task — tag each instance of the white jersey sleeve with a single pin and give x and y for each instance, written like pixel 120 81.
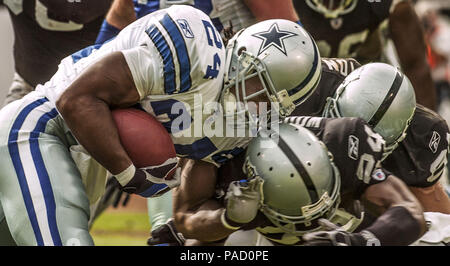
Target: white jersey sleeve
pixel 143 69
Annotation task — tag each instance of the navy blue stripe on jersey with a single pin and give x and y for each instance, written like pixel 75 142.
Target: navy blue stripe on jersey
pixel 43 174
pixel 88 50
pixel 18 166
pixel 387 101
pixel 312 191
pixel 173 109
pixel 309 77
pixel 181 50
pixel 85 52
pixel 153 190
pixel 164 50
pixel 197 150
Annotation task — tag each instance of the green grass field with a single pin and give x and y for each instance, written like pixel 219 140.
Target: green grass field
pixel 121 229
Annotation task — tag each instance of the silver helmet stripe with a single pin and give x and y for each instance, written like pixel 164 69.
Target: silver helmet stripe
pixel 312 191
pixel 311 78
pixel 387 101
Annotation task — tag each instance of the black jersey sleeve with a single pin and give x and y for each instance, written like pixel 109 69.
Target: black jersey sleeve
pixel 421 157
pixel 356 150
pixel 381 9
pixel 81 12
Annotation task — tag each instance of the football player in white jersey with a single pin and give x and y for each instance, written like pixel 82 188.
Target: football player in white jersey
pixel 227 16
pixel 167 58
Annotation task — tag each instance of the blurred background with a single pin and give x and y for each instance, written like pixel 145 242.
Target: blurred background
pixel 6 53
pixel 123 226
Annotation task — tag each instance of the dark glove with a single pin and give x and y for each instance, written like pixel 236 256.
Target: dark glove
pixel 153 181
pixel 335 236
pixel 166 235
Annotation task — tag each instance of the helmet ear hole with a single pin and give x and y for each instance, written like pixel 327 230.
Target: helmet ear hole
pixel 270 168
pixel 242 49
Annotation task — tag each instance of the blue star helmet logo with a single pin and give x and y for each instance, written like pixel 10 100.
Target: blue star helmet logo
pixel 273 37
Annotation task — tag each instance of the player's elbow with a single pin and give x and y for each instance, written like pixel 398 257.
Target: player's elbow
pixel 183 223
pixel 180 221
pixel 68 105
pixel 64 105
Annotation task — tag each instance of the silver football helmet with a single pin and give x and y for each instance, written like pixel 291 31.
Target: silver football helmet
pixel 301 182
pixel 282 55
pixel 381 95
pixel 332 8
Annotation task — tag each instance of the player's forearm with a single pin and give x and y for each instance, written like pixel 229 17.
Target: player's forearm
pixel 271 9
pixel 92 125
pixel 408 36
pixel 396 227
pixel 420 76
pixel 121 14
pixel 204 224
pixel 85 106
pixel 401 221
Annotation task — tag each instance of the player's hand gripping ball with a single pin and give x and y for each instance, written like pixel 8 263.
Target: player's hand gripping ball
pixel 151 149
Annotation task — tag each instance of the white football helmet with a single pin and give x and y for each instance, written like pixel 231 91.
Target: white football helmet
pixel 282 55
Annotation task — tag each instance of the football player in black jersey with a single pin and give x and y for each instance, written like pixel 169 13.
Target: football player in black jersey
pixel 419 155
pixel 349 28
pixel 290 182
pixel 46 31
pixel 416 137
pixel 418 160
